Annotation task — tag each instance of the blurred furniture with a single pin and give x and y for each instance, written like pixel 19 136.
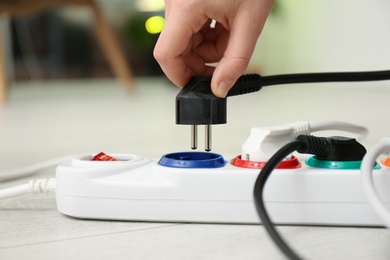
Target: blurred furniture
pixel 3 71
pixel 105 35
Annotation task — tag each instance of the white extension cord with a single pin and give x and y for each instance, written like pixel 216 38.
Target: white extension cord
pixel 383 147
pixel 33 186
pixel 30 170
pixel 37 186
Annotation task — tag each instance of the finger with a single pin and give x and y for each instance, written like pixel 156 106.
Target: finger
pixel 197 65
pixel 213 49
pixel 241 44
pixel 168 4
pixel 173 44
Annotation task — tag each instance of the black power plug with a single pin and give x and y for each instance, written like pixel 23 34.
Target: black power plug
pixel 334 148
pixel 197 105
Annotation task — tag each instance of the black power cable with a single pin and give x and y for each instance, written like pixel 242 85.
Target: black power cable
pixel 326 77
pixel 331 148
pixel 259 200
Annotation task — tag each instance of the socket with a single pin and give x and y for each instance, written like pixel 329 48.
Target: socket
pixel 140 189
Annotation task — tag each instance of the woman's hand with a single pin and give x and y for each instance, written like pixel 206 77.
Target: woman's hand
pixel 188 43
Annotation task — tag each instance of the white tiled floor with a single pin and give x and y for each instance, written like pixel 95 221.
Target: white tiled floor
pixel 47 120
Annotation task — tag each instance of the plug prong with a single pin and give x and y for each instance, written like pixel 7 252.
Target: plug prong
pixel 208 138
pixel 194 137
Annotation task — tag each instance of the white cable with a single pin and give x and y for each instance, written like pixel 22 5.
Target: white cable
pixel 30 170
pixel 14 191
pixel 263 142
pixel 339 125
pixel 33 186
pixel 383 147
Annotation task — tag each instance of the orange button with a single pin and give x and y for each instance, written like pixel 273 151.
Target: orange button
pixel 386 162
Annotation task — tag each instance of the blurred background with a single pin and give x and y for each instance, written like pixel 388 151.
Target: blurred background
pixel 59 42
pixel 300 35
pixel 62 63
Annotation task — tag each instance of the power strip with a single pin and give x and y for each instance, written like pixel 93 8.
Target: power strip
pixel 136 188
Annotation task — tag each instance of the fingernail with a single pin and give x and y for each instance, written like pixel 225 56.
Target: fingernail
pixel 222 89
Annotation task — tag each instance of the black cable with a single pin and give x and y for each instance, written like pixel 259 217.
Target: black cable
pixel 326 77
pixel 335 148
pixel 259 201
pixel 250 83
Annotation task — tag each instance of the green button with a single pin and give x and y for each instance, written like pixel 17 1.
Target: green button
pixel 338 165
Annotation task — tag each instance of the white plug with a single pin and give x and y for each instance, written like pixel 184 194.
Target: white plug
pixel 263 142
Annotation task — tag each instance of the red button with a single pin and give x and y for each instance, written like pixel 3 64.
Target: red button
pixel 103 157
pixel 292 163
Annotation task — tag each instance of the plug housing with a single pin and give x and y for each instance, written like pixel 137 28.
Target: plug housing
pixel 335 148
pixel 334 152
pixel 263 142
pixel 197 105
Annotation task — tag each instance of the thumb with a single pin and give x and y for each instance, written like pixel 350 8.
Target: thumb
pixel 226 74
pixel 241 44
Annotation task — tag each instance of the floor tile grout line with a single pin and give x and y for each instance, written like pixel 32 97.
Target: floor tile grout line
pixel 82 237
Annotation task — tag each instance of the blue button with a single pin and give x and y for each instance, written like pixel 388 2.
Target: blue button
pixel 192 160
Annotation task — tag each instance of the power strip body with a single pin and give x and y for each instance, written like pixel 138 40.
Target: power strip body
pixel 138 189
